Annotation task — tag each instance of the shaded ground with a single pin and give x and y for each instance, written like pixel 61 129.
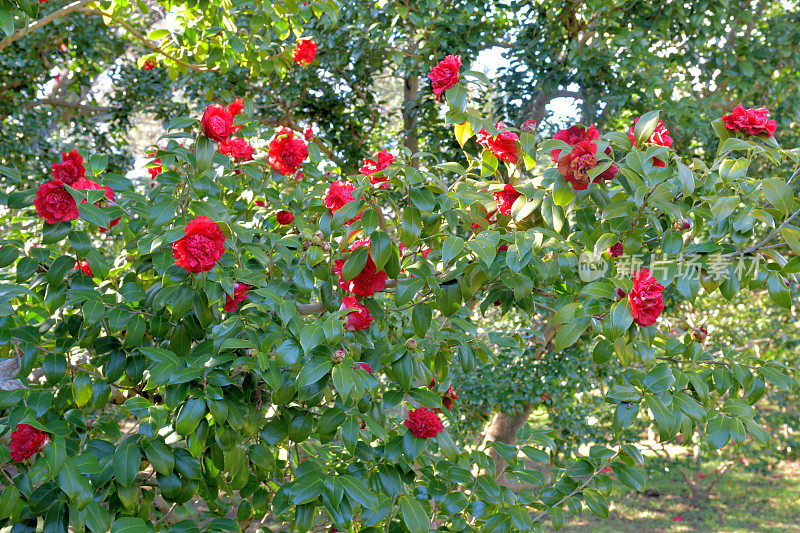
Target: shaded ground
pixel 742 502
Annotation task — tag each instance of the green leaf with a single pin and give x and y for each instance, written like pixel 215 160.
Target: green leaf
pixel 452 246
pixel 778 193
pixel 659 379
pixel 7 23
pixel 414 516
pixel 313 371
pixel 190 415
pixel 645 127
pixel 126 463
pixel 689 406
pixel 160 456
pixel 569 333
pixel 663 417
pixel 205 153
pixel 355 263
pixel 357 490
pixel 129 525
pixel 407 289
pixel 380 248
pixel 597 503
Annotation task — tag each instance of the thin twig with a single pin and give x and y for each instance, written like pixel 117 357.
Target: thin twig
pixel 35 25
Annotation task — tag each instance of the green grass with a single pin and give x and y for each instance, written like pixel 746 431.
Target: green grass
pixel 741 502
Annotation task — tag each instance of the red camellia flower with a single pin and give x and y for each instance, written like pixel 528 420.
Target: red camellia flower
pixel 423 423
pixel 660 137
pixel 287 152
pixel 284 217
pixel 155 171
pixel 506 198
pixel 149 65
pixel 201 246
pixel 574 135
pixel 84 266
pixel 616 250
pixel 304 52
pixel 308 133
pixel 503 146
pixel 575 165
pixel 528 126
pixel 26 441
pixel 240 291
pixel 217 122
pixel 751 121
pixel 369 281
pixel 237 148
pixel 70 169
pixel 363 366
pixel 62 47
pixel 678 518
pixel 448 396
pixel 372 167
pixel 444 75
pixel 645 298
pixel 235 108
pixel 54 203
pixel 358 318
pixel 340 194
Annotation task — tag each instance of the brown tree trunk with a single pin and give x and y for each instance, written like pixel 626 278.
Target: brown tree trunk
pixel 504 426
pixel 410 91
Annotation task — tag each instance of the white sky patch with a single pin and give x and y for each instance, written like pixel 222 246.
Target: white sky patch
pixel 564 110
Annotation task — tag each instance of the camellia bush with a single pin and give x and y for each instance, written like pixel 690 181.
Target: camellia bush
pixel 253 339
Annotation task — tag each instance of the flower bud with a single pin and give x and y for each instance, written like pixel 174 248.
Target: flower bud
pixel 616 250
pixel 338 356
pixel 411 344
pixel 318 238
pixel 620 293
pixel 683 225
pixel 700 334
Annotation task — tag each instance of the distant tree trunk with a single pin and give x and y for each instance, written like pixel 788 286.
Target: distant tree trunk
pixel 410 92
pixel 504 426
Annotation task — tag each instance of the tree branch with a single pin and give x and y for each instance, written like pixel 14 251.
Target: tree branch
pixel 72 105
pixel 146 42
pixel 35 25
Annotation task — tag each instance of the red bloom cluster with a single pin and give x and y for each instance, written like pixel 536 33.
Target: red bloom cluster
pixel 201 246
pixel 645 298
pixel 70 169
pixel 284 217
pixel 240 291
pixel 237 148
pixel 26 441
pixel 660 137
pixel 340 194
pixel 506 198
pixel 54 203
pixel 750 121
pixel 576 164
pixel 372 167
pixel 369 281
pixel 503 146
pixel 444 75
pixel 155 171
pixel 84 266
pixel 423 423
pixel 448 396
pixel 359 318
pixel 287 152
pixel 217 121
pixel 304 52
pixel 572 136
